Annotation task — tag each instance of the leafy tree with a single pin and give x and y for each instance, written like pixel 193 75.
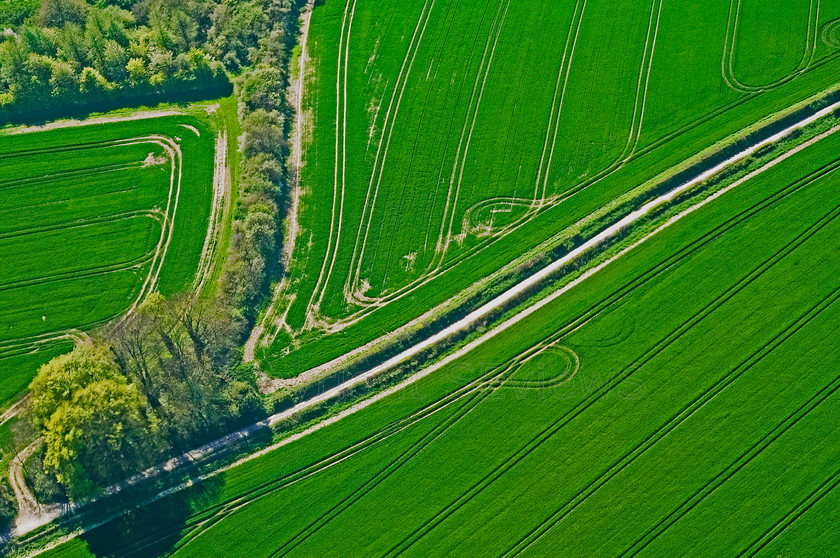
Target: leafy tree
pixel 39 40
pixel 263 133
pixel 110 24
pixel 140 10
pixel 273 50
pixel 59 380
pixel 72 47
pixel 262 166
pixel 280 11
pixel 178 351
pixel 39 69
pixel 13 57
pixel 96 425
pixel 235 30
pixel 7 99
pixel 183 29
pixel 162 65
pixel 260 230
pixel 136 70
pixel 58 13
pixel 115 62
pixel 95 40
pixel 262 87
pixel 101 435
pixel 259 189
pixel 244 272
pixel 199 64
pixel 92 82
pixel 63 79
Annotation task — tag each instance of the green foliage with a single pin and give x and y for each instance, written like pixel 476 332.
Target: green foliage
pixel 263 133
pixel 234 32
pixel 58 13
pixel 260 229
pixel 100 435
pixel 164 377
pixel 262 87
pixel 59 381
pixel 15 12
pixel 262 168
pixel 253 249
pixel 95 425
pixel 252 256
pixel 178 351
pixel 81 55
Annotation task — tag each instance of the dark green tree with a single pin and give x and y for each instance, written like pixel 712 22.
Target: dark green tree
pixel 58 13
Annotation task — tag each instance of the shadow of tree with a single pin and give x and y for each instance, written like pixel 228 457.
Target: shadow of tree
pixel 153 529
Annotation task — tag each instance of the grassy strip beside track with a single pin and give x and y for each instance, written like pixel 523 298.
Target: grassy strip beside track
pixel 227 120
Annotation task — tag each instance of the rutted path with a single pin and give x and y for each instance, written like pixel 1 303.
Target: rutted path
pixel 73 123
pixel 464 324
pixel 30 511
pixel 14 410
pixel 218 212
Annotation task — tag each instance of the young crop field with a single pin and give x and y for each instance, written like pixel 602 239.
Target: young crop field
pixel 447 141
pixel 556 278
pixel 681 401
pixel 93 218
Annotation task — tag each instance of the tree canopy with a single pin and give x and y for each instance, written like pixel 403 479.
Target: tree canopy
pixel 103 433
pixel 59 380
pixel 71 52
pixel 162 380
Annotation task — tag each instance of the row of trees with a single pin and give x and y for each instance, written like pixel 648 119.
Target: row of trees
pixel 160 382
pixel 263 111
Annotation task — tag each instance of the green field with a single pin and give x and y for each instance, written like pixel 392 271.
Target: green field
pixel 671 392
pixel 682 401
pixel 450 138
pixel 92 219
